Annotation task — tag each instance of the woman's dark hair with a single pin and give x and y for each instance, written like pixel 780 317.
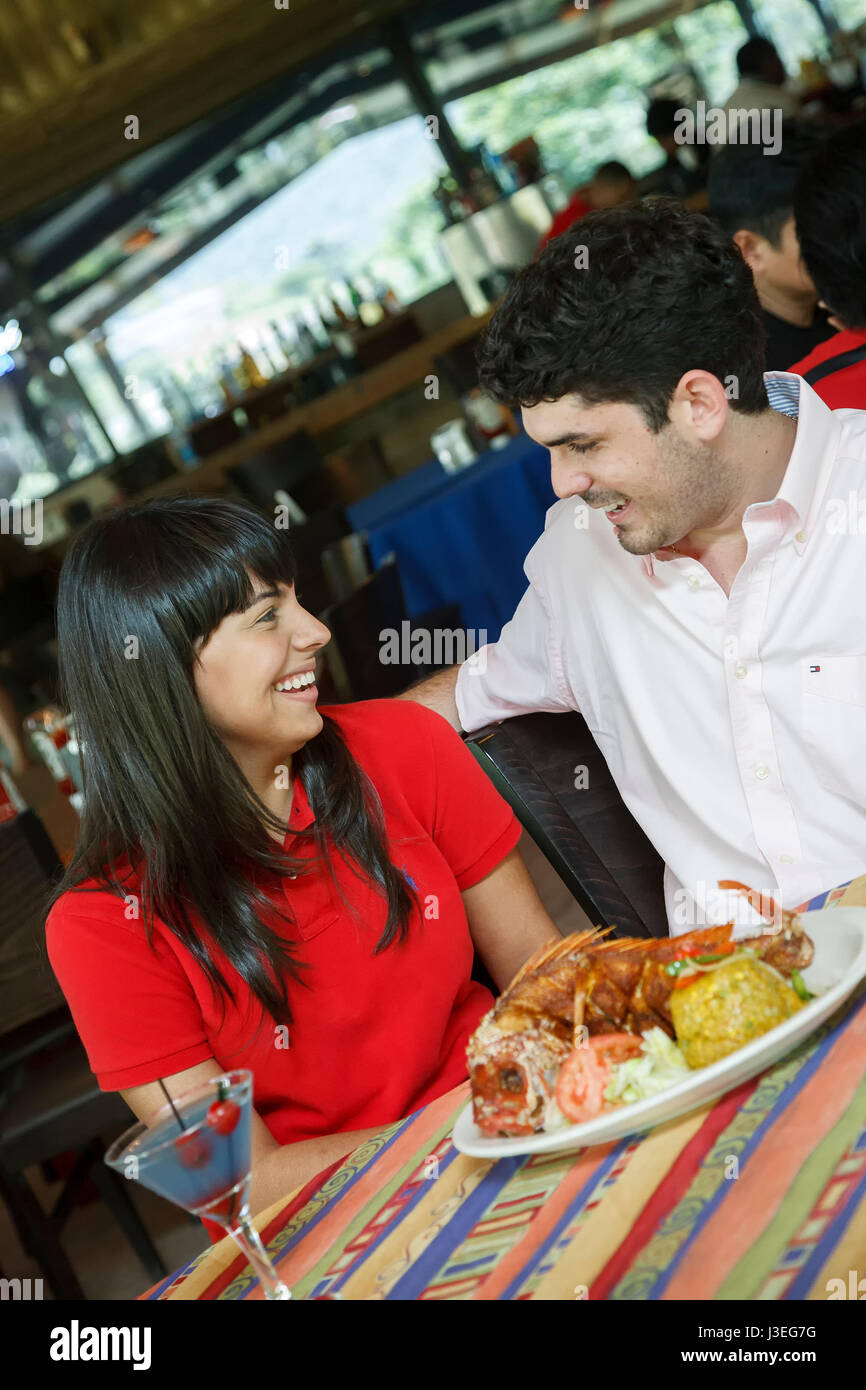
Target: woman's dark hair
pixel 830 215
pixel 620 306
pixel 137 589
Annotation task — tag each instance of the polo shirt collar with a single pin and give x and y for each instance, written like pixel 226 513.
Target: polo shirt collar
pixel 812 457
pixel 301 816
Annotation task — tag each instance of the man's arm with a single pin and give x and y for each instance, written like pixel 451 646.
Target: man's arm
pixel 437 693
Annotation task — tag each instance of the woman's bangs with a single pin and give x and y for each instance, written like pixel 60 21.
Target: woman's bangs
pixel 252 548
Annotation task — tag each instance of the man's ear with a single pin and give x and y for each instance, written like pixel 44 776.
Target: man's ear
pixel 751 248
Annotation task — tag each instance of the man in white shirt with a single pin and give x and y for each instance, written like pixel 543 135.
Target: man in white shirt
pixel 710 632
pixel 760 88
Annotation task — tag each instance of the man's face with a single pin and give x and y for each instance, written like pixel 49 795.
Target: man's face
pixel 602 193
pixel 606 454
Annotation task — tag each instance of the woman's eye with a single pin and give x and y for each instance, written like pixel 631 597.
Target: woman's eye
pixel 267 617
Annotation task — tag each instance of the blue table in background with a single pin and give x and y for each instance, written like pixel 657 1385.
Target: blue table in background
pixel 462 537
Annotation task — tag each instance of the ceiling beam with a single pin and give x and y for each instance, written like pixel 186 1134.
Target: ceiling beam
pixel 77 135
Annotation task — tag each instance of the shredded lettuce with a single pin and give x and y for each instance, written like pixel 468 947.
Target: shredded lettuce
pixel 661 1065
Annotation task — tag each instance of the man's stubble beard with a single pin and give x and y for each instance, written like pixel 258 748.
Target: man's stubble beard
pixel 696 494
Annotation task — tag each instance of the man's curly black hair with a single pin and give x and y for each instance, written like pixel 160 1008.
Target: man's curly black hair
pixel 662 292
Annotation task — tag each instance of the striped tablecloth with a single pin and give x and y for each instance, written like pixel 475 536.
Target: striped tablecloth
pixel 759 1195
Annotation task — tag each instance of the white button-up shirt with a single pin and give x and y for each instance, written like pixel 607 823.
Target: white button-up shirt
pixel 734 727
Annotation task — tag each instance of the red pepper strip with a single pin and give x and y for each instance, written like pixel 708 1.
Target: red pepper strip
pixel 766 907
pixel 724 949
pixel 682 980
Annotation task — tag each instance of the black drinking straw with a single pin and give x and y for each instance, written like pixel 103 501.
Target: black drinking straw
pixel 171 1103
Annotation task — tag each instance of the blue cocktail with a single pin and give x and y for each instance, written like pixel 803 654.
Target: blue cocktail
pixel 196 1152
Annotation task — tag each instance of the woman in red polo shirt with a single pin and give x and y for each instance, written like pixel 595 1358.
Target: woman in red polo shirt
pixel 260 883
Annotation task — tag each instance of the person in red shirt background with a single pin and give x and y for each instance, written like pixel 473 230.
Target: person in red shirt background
pixel 830 212
pixel 610 184
pixel 259 882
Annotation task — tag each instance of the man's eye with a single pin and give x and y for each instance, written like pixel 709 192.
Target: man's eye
pixel 581 448
pixel 267 617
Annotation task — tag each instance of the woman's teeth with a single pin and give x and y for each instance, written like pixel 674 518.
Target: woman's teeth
pixel 297 682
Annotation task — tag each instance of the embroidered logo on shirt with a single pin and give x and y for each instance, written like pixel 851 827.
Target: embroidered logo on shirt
pixel 814 668
pixel 410 881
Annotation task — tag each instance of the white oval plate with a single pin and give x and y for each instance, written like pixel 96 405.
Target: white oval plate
pixel 839 934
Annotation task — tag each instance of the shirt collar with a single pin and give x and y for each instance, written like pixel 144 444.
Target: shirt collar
pixel 812 456
pixel 301 814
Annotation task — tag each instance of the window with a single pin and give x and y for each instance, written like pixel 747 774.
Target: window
pixel 850 13
pixel 711 38
pixel 795 28
pixel 364 211
pixel 592 107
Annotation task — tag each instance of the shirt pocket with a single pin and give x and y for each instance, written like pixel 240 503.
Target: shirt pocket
pixel 834 721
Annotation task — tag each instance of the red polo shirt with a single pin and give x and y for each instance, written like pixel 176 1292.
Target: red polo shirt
pixel 575 208
pixel 374 1036
pixel 836 370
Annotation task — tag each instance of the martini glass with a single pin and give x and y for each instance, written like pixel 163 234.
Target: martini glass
pixel 196 1151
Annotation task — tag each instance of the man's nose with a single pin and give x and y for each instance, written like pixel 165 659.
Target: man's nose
pixel 569 481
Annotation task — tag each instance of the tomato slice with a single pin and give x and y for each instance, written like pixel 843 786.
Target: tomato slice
pixel 587 1071
pixel 616 1047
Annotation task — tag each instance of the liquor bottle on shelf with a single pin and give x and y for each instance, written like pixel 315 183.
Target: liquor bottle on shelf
pixel 202 391
pixel 251 367
pixel 343 318
pixel 226 379
pixel 307 339
pixel 326 318
pixel 387 298
pixel 272 359
pixel 184 405
pixel 355 296
pixel 288 345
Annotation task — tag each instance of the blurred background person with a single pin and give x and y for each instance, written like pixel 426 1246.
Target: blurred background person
pixel 830 214
pixel 752 196
pixel 684 169
pixel 610 184
pixel 762 78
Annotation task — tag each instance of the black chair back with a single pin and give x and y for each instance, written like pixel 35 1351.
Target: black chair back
pixel 357 624
pixel 29 865
pixel 577 819
pixel 286 468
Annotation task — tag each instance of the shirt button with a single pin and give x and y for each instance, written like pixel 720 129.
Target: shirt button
pixel 693 581
pixel 293 875
pixel 800 536
pixel 786 858
pixel 762 772
pixel 740 672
